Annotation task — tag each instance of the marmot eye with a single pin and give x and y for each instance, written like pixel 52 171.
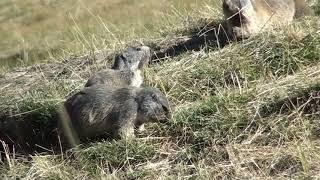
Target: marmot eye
pixel 138 49
pixel 154 97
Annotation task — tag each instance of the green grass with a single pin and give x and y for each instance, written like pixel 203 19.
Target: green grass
pixel 249 110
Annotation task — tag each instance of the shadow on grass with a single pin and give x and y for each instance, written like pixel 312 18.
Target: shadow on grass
pixel 210 35
pixel 32 132
pixel 306 102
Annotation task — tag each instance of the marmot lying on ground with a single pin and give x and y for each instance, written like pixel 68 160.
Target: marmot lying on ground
pixel 103 111
pixel 126 69
pixel 248 17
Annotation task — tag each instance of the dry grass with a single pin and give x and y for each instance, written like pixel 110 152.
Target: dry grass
pixel 249 110
pixel 44 30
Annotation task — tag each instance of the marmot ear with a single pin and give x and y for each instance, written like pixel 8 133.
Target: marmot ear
pixel 119 62
pixel 225 5
pixel 121 57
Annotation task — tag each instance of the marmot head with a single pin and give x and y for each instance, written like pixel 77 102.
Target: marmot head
pixel 237 15
pixel 132 58
pixel 153 106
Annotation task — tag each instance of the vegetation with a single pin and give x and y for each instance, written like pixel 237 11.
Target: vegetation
pixel 46 30
pixel 248 110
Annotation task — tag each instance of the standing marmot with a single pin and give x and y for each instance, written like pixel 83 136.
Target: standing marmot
pixel 103 111
pixel 126 69
pixel 248 17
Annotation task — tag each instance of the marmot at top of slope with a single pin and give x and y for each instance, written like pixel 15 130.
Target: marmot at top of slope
pixel 126 69
pixel 100 110
pixel 248 17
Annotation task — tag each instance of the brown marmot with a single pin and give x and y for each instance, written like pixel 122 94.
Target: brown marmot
pixel 126 69
pixel 248 17
pixel 108 112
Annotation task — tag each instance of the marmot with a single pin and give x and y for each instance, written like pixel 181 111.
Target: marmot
pixel 248 17
pixel 103 111
pixel 126 69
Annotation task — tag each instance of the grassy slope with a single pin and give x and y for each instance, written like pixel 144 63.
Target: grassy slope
pixel 37 30
pixel 250 109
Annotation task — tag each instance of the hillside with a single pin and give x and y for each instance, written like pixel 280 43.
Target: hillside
pixel 247 110
pixel 46 30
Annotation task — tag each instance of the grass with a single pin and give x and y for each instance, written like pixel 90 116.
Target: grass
pixel 44 31
pixel 248 110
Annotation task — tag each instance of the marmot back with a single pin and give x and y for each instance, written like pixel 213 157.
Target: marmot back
pixel 126 69
pixel 248 17
pixel 116 78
